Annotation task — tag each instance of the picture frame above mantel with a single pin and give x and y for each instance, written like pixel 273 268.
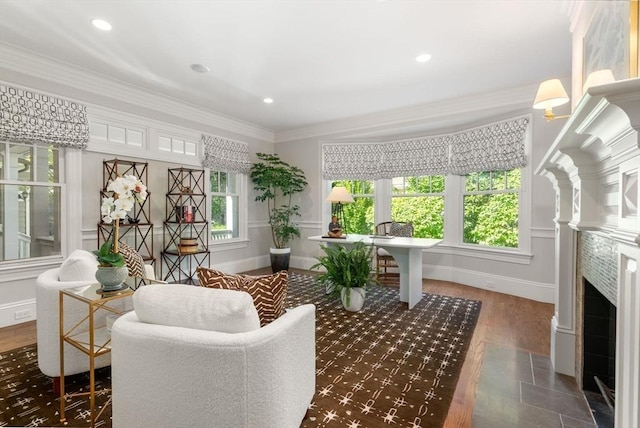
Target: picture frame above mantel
pixel 611 40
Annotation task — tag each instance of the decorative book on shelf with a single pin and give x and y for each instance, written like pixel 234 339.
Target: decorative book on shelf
pixel 137 230
pixel 186 228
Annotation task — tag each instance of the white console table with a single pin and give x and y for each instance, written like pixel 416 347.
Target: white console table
pixel 406 251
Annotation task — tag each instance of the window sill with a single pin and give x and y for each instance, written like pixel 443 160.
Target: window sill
pixel 500 255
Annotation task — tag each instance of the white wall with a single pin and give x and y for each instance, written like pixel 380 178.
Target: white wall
pixel 533 280
pixel 300 147
pixel 17 279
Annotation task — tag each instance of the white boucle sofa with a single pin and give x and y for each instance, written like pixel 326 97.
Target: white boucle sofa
pixel 174 369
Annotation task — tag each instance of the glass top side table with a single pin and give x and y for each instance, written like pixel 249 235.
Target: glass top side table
pixel 90 335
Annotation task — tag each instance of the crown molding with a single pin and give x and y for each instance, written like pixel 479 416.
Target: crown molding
pixel 57 72
pixel 437 115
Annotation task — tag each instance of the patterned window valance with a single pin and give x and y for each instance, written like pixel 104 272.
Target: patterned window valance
pixel 491 148
pixel 225 155
pixel 352 161
pixel 30 117
pixel 495 147
pixel 422 156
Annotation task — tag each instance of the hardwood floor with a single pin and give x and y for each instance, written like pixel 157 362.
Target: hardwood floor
pixel 17 336
pixel 505 320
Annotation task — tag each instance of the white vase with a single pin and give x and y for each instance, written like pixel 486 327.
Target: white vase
pixel 356 298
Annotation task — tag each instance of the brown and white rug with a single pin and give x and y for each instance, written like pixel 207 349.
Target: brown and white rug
pixel 383 366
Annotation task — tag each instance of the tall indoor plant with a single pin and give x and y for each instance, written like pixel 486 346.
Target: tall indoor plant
pixel 275 182
pixel 348 272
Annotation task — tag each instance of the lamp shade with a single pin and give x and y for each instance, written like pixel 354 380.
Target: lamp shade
pixel 340 194
pixel 550 94
pixel 599 77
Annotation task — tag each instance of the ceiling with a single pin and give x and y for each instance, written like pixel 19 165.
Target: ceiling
pixel 320 61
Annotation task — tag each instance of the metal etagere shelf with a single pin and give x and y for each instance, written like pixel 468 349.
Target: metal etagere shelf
pixel 186 228
pixel 137 231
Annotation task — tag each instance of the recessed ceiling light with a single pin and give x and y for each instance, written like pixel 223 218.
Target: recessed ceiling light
pixel 101 24
pixel 200 68
pixel 268 100
pixel 423 57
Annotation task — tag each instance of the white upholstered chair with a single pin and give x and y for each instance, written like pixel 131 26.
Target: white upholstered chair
pixel 182 358
pixel 77 270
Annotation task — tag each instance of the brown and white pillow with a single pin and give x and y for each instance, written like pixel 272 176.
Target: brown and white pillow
pixel 269 292
pixel 133 260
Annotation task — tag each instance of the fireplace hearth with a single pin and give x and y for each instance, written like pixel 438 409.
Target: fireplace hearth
pixel 599 354
pixel 599 339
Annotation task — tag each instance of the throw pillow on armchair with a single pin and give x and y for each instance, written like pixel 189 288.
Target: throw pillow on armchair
pixel 269 292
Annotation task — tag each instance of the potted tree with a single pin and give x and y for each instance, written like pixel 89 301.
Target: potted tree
pixel 276 182
pixel 348 272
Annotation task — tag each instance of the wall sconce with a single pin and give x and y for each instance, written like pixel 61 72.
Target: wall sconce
pixel 599 77
pixel 340 195
pixel 551 94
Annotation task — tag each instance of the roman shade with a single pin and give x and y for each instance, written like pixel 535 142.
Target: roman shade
pixel 34 118
pixel 496 147
pixel 499 146
pixel 222 154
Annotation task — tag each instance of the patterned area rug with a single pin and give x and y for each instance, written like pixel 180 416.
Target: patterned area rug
pixel 382 366
pixel 385 365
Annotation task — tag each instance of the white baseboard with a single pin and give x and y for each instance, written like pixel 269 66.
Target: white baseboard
pixel 563 349
pixel 537 291
pixel 302 262
pixel 243 265
pixel 17 312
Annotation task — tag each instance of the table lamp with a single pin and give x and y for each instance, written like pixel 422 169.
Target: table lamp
pixel 339 195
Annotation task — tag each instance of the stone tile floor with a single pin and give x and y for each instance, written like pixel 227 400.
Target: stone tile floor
pixel 520 389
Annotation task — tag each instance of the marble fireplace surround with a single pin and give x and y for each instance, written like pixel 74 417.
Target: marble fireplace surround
pixel 594 165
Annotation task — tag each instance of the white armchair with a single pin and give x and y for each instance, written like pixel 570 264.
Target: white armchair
pixel 173 375
pixel 77 270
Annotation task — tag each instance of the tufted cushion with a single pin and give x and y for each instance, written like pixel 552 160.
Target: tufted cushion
pixel 269 292
pixel 133 260
pixel 226 311
pixel 81 265
pixel 401 229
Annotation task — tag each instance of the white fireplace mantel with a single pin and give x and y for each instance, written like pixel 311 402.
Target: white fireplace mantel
pixel 594 165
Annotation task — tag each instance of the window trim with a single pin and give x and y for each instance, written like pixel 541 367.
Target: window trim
pixel 242 193
pixel 70 184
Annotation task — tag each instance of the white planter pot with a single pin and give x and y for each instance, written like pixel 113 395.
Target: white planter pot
pixel 356 298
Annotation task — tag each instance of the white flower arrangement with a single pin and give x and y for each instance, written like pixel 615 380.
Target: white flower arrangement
pixel 126 190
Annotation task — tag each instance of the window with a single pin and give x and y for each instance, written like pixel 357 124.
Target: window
pixel 491 203
pixel 359 216
pixel 30 197
pixel 225 196
pixel 419 200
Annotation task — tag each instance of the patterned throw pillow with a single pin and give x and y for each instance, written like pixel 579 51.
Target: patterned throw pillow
pixel 133 260
pixel 269 292
pixel 403 230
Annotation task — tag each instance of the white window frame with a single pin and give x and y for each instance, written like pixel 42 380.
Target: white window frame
pixel 69 238
pixel 242 194
pixel 419 195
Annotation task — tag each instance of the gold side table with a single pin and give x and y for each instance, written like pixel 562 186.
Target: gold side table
pixel 91 339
